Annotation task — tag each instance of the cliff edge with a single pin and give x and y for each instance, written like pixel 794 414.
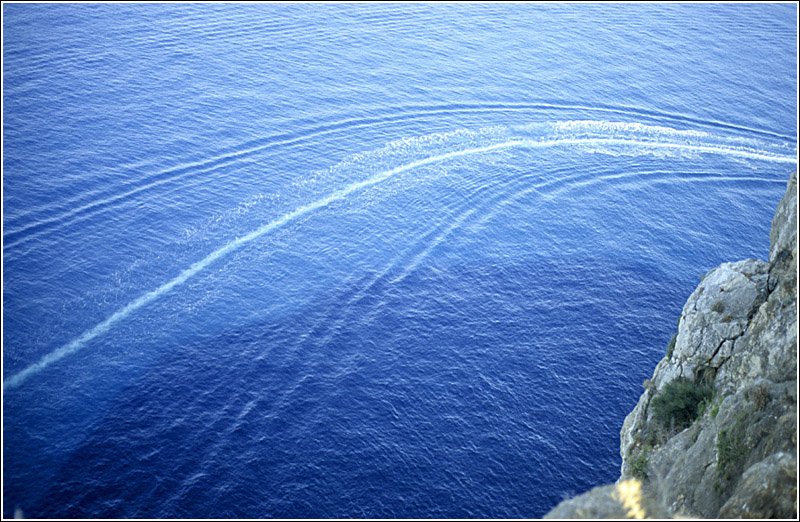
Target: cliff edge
pixel 714 434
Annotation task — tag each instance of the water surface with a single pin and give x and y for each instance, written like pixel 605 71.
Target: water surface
pixel 412 260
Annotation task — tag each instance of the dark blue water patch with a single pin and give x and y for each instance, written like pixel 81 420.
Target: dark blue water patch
pixel 440 296
pixel 434 290
pixel 482 410
pixel 139 139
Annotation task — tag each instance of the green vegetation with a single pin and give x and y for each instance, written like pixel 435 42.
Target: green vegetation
pixel 714 409
pixel 671 345
pixel 718 307
pixel 680 403
pixel 759 395
pixel 640 462
pixel 653 436
pixel 705 374
pixel 731 449
pixel 703 406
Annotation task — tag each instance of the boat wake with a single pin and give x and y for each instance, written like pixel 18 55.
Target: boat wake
pixel 405 158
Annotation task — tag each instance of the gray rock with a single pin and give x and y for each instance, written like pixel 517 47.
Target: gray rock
pixel 696 470
pixel 738 459
pixel 783 235
pixel 598 503
pixel 610 502
pixel 767 490
pixel 713 319
pixel 737 333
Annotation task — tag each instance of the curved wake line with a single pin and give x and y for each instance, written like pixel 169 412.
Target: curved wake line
pixel 75 345
pixel 80 204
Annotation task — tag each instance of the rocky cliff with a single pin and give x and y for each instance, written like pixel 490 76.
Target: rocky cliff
pixel 715 432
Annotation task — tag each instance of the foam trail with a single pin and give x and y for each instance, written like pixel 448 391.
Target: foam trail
pixel 80 342
pixel 75 345
pixel 710 149
pixel 403 260
pixel 15 236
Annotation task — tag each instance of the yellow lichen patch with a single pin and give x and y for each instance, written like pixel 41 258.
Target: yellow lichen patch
pixel 629 494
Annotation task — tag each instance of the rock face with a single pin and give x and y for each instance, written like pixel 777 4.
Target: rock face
pixel 621 500
pixel 715 432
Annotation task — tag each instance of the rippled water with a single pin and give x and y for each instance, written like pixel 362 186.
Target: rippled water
pixel 340 260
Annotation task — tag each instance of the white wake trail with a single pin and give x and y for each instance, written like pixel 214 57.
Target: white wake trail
pixel 78 343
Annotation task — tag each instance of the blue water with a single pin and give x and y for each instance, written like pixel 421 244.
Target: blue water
pixel 406 260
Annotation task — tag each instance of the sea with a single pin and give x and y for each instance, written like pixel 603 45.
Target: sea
pixel 364 260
